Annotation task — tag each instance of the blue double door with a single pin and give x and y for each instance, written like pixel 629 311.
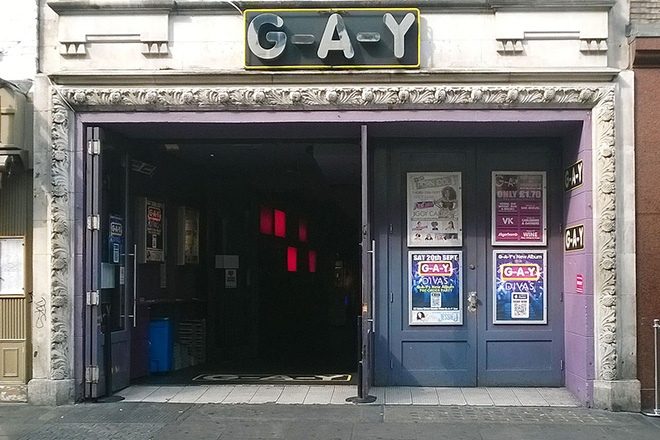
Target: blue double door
pixel 479 350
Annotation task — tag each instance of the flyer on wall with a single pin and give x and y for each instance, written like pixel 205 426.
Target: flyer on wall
pixel 435 292
pixel 519 288
pixel 434 209
pixel 518 216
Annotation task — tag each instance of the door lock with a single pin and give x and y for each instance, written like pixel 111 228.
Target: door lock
pixel 472 302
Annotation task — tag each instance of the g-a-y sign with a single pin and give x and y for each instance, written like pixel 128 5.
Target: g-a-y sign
pixel 349 38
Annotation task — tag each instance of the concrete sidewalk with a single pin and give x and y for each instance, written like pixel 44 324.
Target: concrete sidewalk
pixel 136 420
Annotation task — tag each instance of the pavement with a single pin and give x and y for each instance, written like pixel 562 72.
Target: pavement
pixel 162 421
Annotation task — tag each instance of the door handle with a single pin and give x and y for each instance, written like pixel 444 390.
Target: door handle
pixel 473 301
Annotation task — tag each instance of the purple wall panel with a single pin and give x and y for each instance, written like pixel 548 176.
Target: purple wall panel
pixel 574 264
pixel 579 351
pixel 577 310
pixel 578 207
pixel 580 387
pixel 578 307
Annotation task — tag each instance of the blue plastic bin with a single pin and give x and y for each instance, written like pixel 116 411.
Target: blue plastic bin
pixel 161 334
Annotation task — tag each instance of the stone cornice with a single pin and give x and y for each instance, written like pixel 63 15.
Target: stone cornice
pixel 240 77
pixel 103 6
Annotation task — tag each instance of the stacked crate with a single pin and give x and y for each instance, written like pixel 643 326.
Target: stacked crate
pixel 192 337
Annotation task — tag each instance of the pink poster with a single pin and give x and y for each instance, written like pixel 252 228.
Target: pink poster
pixel 519 199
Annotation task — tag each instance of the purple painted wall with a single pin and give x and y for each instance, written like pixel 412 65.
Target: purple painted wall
pixel 579 307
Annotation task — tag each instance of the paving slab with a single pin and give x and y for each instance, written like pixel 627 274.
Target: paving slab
pixel 477 396
pixel 267 394
pixel 293 394
pixel 189 394
pixel 215 394
pixel 398 396
pixel 450 396
pixel 319 395
pixel 241 394
pixel 424 396
pixel 163 394
pixel 529 397
pixel 503 397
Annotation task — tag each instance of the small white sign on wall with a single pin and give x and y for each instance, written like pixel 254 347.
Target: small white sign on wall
pixel 231 278
pixel 12 266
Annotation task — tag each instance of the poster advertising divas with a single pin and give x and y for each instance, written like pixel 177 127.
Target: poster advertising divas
pixel 518 217
pixel 434 209
pixel 435 291
pixel 155 240
pixel 519 290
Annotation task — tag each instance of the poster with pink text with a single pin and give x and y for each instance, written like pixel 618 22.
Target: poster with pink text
pixel 519 214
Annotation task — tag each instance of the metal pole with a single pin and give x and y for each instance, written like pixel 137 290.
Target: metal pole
pixel 656 409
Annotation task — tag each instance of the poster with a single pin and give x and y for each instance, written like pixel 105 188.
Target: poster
pixel 12 266
pixel 519 288
pixel 518 216
pixel 155 231
pixel 188 236
pixel 115 239
pixel 435 293
pixel 434 209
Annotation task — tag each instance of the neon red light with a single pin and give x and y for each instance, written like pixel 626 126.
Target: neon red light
pixel 280 223
pixel 266 221
pixel 292 259
pixel 311 261
pixel 302 230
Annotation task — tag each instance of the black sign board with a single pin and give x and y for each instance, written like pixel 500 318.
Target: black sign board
pixel 351 38
pixel 574 176
pixel 574 238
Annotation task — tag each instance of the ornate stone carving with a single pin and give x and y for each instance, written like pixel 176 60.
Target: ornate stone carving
pixel 342 97
pixel 605 285
pixel 600 99
pixel 60 244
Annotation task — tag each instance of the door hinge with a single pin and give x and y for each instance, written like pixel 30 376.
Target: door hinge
pixel 93 298
pixel 92 374
pixel 391 364
pixel 391 229
pixel 561 297
pixel 93 222
pixel 94 147
pixel 561 364
pixel 392 297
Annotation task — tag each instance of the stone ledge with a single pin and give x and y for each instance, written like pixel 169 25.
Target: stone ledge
pixel 51 392
pixel 16 393
pixel 617 395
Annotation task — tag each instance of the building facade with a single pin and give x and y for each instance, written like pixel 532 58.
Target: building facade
pixel 482 152
pixel 18 66
pixel 643 33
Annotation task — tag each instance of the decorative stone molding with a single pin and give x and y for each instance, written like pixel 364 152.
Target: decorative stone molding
pixel 599 99
pixel 510 46
pixel 155 48
pixel 255 98
pixel 593 46
pixel 605 238
pixel 72 48
pixel 61 253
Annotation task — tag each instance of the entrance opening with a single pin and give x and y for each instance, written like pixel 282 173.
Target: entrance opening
pixel 229 261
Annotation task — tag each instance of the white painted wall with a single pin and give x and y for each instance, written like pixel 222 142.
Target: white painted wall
pixel 18 39
pixel 86 41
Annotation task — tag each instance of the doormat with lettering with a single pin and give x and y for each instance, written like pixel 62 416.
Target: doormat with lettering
pixel 277 379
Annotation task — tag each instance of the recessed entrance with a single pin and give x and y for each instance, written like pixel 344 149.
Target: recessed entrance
pixel 225 260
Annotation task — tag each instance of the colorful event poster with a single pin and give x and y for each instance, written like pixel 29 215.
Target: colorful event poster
pixel 435 293
pixel 434 209
pixel 519 288
pixel 518 217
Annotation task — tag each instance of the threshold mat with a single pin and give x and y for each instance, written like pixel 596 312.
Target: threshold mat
pixel 276 379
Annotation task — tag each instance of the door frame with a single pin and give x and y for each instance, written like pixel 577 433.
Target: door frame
pixel 590 104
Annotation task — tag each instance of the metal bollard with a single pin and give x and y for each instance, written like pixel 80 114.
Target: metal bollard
pixel 656 410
